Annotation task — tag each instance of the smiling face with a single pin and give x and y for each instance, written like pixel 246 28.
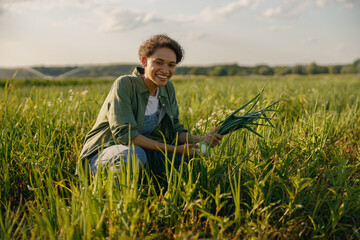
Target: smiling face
pixel 159 68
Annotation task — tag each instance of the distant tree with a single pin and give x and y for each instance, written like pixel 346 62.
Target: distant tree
pixel 265 71
pixel 348 69
pixel 356 65
pixel 232 70
pixel 184 70
pixel 282 70
pixel 255 70
pixel 357 68
pixel 244 72
pixel 334 69
pixel 218 71
pixel 194 71
pixel 322 69
pixel 356 62
pixel 197 71
pixel 312 68
pixel 297 69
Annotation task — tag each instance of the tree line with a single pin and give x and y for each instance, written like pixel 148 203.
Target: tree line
pixel 215 70
pixel 234 69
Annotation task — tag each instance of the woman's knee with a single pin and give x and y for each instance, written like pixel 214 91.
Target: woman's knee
pixel 133 153
pixel 139 153
pixel 118 153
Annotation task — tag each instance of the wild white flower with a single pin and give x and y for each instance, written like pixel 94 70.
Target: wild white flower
pixel 59 100
pixel 70 98
pixel 49 104
pixel 84 92
pixel 71 91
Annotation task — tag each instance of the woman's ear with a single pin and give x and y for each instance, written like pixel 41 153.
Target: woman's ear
pixel 143 61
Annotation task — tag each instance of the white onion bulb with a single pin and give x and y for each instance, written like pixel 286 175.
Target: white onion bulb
pixel 204 148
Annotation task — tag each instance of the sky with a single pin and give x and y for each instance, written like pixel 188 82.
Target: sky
pixel 245 32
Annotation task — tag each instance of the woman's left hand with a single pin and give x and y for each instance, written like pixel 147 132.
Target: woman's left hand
pixel 212 138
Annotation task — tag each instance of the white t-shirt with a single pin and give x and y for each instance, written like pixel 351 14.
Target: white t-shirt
pixel 153 106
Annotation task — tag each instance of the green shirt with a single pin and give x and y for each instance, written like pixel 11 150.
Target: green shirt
pixel 122 115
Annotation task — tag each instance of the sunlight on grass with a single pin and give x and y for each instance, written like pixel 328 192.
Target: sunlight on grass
pixel 300 181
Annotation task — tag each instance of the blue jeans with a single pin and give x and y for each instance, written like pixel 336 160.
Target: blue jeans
pixel 115 155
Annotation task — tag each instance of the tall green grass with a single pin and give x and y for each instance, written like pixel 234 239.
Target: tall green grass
pixel 300 181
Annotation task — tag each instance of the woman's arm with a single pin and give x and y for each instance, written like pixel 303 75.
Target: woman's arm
pixel 150 144
pixel 187 137
pixel 212 138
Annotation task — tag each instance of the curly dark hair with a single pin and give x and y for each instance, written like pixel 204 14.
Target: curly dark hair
pixel 160 41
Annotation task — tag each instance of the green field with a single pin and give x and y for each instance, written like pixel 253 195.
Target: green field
pixel 301 181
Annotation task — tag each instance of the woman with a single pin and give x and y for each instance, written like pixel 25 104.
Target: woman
pixel 141 110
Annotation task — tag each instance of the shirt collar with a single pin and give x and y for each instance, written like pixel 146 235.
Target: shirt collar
pixel 138 72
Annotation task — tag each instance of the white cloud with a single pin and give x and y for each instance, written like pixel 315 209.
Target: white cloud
pixel 77 3
pixel 276 28
pixel 349 3
pixel 294 8
pixel 122 19
pixel 272 12
pixel 79 22
pixel 38 5
pixel 24 5
pixel 196 35
pixel 322 3
pixel 345 3
pixel 210 14
pixel 291 8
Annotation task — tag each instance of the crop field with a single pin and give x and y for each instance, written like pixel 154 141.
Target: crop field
pixel 301 181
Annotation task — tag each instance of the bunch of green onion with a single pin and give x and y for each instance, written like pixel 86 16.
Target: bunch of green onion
pixel 234 122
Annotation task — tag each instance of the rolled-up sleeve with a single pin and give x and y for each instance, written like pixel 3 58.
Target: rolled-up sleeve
pixel 120 115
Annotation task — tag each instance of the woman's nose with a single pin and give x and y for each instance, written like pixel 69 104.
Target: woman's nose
pixel 165 69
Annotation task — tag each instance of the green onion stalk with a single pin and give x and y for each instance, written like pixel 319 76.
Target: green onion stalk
pixel 234 122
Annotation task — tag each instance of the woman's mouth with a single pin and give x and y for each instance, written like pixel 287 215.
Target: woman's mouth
pixel 162 77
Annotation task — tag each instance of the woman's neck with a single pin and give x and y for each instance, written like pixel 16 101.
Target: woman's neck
pixel 150 86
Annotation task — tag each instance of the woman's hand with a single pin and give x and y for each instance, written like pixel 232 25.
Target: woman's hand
pixel 187 149
pixel 212 138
